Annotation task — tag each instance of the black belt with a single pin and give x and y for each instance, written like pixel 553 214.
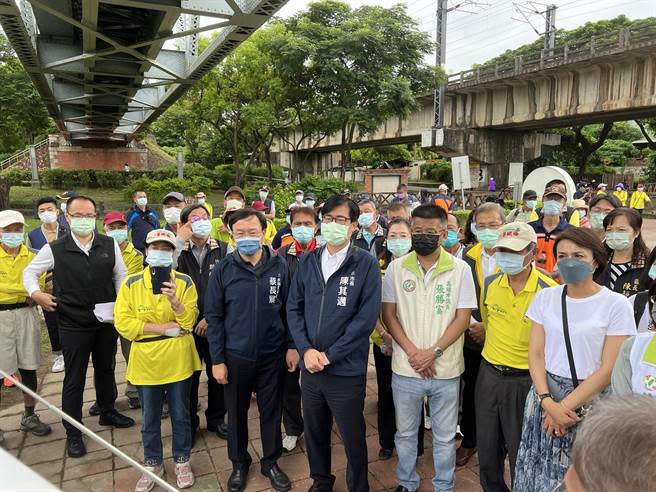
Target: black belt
pixel 157 338
pixel 9 307
pixel 509 371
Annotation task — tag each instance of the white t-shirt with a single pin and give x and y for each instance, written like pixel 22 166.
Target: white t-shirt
pixel 590 320
pixel 466 299
pixel 645 323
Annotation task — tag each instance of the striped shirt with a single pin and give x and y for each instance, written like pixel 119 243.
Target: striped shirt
pixel 616 271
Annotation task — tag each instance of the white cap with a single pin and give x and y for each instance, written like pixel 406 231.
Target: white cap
pixel 8 217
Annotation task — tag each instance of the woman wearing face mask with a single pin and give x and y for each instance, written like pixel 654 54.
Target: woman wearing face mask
pixel 163 356
pixel 584 212
pixel 600 206
pixel 575 337
pixel 627 252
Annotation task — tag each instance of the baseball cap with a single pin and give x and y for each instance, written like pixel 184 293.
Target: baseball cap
pixel 235 189
pixel 161 235
pixel 66 195
pixel 516 236
pixel 114 216
pixel 175 195
pixel 259 206
pixel 299 192
pixel 554 190
pixel 311 196
pixel 529 193
pixel 443 187
pixel 579 203
pixel 8 217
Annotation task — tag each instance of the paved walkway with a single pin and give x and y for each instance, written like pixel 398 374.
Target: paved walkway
pixel 100 471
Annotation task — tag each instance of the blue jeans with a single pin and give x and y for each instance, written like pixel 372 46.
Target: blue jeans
pixel 177 396
pixel 443 397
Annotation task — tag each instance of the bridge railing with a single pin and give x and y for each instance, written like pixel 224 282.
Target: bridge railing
pixel 624 39
pixel 21 159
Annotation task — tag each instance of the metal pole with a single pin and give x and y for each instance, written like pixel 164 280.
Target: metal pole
pixel 35 166
pixel 180 162
pixel 159 481
pixel 440 55
pixel 550 29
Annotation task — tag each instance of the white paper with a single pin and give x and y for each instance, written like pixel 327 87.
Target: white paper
pixel 104 312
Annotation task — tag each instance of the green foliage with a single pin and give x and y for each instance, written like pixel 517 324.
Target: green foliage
pixel 17 177
pixel 63 179
pixel 373 155
pixel 157 189
pixel 650 170
pixel 324 188
pixel 462 215
pixel 439 171
pixel 615 152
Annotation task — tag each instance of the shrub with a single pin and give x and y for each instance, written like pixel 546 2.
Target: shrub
pixel 157 189
pixel 17 177
pixel 439 171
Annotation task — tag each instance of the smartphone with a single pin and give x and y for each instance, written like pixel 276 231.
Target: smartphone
pixel 158 276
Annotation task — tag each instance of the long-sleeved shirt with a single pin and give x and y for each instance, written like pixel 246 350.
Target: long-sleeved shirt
pixel 45 261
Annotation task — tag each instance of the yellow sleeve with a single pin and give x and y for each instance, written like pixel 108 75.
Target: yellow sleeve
pixel 125 319
pixel 189 298
pixel 634 199
pixel 575 219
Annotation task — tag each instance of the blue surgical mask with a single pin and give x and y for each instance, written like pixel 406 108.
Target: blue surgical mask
pixel 652 272
pixel 366 220
pixel 573 271
pixel 118 235
pixel 451 239
pixel 368 236
pixel 531 204
pixel 321 241
pixel 487 237
pixel 510 263
pixel 248 246
pixel 552 207
pixel 159 258
pixel 142 202
pixel 201 228
pixel 618 241
pixel 12 239
pixel 399 247
pixel 303 234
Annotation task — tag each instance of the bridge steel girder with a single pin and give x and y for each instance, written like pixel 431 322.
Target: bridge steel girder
pixel 100 65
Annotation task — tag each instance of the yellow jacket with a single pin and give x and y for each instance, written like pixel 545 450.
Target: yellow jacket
pixel 621 196
pixel 210 209
pixel 132 258
pixel 221 233
pixel 639 199
pixel 163 361
pixel 11 275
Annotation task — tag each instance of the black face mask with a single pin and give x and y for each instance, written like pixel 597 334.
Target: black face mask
pixel 425 244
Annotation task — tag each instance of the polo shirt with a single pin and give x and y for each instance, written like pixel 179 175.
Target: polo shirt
pixel 11 275
pixel 507 328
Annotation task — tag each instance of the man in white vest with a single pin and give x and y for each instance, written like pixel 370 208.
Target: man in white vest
pixel 428 296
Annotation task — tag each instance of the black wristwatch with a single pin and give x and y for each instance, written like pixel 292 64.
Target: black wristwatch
pixel 438 352
pixel 544 396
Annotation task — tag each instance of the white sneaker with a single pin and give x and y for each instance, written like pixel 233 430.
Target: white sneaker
pixel 183 474
pixel 145 483
pixel 289 442
pixel 58 364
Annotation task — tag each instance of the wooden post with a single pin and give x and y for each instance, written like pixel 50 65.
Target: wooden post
pixel 4 193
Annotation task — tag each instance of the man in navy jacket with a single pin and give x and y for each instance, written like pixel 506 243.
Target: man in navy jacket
pixel 332 308
pixel 250 345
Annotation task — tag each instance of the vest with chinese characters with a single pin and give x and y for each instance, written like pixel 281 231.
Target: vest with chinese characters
pixel 426 310
pixel 643 364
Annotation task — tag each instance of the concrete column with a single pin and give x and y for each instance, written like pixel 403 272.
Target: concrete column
pixel 34 165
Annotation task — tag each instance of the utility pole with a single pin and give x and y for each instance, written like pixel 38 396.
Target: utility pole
pixel 550 29
pixel 440 55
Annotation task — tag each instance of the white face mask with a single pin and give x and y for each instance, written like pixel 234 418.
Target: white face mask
pixel 63 207
pixel 234 204
pixel 48 217
pixel 172 215
pixel 299 198
pixel 263 195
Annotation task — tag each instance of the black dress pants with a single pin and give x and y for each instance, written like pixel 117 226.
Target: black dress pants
pixel 77 346
pixel 468 417
pixel 266 377
pixel 326 396
pixel 52 324
pixel 292 417
pixel 216 409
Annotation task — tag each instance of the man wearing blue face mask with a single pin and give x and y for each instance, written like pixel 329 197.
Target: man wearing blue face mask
pixel 503 378
pixel 371 235
pixel 452 244
pixel 250 345
pixel 141 220
pixel 199 254
pixel 87 272
pixel 551 223
pixel 525 213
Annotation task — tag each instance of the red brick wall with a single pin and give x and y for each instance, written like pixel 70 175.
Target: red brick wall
pixel 97 158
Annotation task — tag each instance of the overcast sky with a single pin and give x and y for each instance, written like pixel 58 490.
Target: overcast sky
pixel 474 38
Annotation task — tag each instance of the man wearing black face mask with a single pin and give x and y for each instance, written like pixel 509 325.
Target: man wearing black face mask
pixel 428 296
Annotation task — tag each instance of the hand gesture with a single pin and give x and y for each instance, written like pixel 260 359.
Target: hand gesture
pixel 185 232
pixel 314 360
pixel 220 373
pixel 46 301
pixel 168 291
pixel 201 327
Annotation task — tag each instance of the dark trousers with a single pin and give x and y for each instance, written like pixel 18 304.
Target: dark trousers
pixel 53 329
pixel 216 408
pixel 386 410
pixel 292 418
pixel 326 396
pixel 265 377
pixel 468 417
pixel 77 346
pixel 500 411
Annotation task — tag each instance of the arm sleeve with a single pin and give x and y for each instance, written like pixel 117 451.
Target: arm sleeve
pixel 621 320
pixel 365 320
pixel 388 291
pixel 125 316
pixel 620 382
pixel 40 264
pixel 284 295
pixel 296 312
pixel 120 270
pixel 467 294
pixel 189 298
pixel 214 315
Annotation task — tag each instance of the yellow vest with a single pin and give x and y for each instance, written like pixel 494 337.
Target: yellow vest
pixel 11 275
pixel 639 199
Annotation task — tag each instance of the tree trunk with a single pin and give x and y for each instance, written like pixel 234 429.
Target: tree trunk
pixel 4 193
pixel 342 171
pixel 650 143
pixel 587 147
pixel 235 156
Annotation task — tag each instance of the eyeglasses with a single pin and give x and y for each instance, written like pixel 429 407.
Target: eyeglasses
pixel 82 216
pixel 340 219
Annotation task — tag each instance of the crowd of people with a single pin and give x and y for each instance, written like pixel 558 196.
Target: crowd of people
pixel 506 330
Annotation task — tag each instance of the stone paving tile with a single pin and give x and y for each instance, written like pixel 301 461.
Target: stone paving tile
pixel 50 470
pixel 40 453
pixel 92 483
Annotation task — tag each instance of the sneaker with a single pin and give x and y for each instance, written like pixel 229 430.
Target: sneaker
pixel 183 475
pixel 32 423
pixel 289 442
pixel 58 364
pixel 145 483
pixel 133 402
pixel 165 410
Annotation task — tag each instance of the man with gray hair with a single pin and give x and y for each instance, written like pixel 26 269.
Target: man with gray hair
pixel 371 235
pixel 614 448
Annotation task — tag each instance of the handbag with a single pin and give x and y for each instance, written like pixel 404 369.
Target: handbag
pixel 570 355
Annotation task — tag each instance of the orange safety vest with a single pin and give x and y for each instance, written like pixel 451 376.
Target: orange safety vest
pixel 444 204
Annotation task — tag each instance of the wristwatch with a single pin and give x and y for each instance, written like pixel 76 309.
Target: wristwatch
pixel 438 352
pixel 544 396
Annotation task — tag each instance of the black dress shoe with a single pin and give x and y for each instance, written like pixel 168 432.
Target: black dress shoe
pixel 400 488
pixel 221 430
pixel 316 488
pixel 75 446
pixel 115 419
pixel 237 480
pixel 278 478
pixel 94 411
pixel 385 454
